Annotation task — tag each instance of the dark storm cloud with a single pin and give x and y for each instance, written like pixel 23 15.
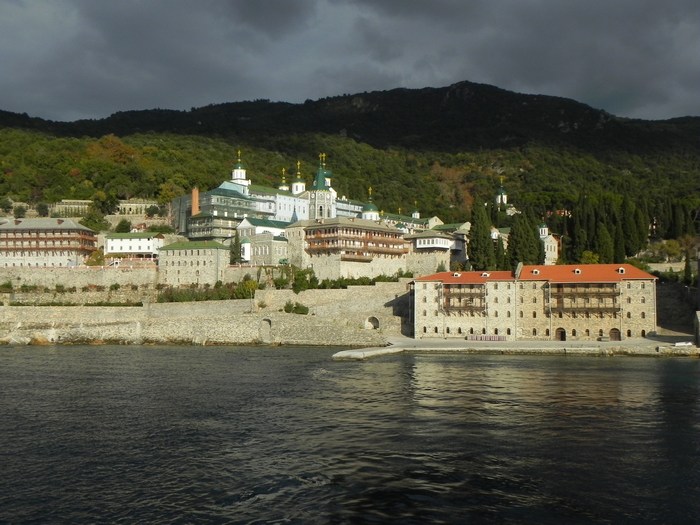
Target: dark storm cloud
pixel 67 59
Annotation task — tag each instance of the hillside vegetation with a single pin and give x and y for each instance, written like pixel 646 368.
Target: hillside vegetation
pixel 438 149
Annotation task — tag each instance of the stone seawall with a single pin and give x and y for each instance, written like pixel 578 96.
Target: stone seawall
pixel 358 316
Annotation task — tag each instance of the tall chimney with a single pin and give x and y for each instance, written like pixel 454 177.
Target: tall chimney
pixel 195 201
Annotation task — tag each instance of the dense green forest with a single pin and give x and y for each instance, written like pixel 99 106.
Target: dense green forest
pixel 440 150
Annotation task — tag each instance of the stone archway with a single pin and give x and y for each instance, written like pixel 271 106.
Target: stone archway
pixel 560 334
pixel 615 335
pixel 372 323
pixel 265 331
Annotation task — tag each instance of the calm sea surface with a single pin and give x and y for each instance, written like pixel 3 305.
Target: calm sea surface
pixel 121 434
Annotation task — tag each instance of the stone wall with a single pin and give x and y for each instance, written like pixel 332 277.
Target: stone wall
pixel 332 267
pixel 358 316
pixel 79 277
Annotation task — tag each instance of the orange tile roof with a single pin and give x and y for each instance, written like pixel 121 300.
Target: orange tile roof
pixel 570 273
pixel 583 273
pixel 468 277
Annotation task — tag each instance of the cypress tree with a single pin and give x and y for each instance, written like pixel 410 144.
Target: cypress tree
pixel 619 245
pixel 235 253
pixel 524 243
pixel 604 244
pixel 501 263
pixel 630 229
pixel 480 247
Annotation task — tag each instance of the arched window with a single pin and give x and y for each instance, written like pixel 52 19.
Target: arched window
pixel 534 331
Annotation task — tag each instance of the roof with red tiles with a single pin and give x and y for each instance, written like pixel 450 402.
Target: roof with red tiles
pixel 569 273
pixel 468 277
pixel 583 273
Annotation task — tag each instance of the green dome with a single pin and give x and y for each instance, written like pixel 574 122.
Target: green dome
pixel 369 207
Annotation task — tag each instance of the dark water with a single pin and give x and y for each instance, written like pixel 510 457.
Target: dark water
pixel 257 435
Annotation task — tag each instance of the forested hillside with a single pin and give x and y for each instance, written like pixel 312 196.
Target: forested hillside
pixel 442 150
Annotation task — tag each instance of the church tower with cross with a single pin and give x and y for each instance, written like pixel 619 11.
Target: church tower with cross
pixel 322 197
pixel 238 175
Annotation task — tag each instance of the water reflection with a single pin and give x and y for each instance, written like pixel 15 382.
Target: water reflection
pixel 265 435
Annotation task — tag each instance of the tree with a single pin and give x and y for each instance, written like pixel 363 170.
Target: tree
pixel 235 256
pixel 105 203
pixel 501 261
pixel 604 244
pixel 19 212
pixel 619 245
pixel 123 226
pixel 42 209
pixel 687 270
pixel 588 257
pixel 95 220
pixel 152 211
pixel 480 247
pixel 6 205
pixel 524 245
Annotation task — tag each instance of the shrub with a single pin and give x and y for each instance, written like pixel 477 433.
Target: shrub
pixel 296 308
pixel 114 287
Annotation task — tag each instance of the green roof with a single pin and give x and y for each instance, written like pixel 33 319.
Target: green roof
pixel 194 245
pixel 267 222
pixel 268 190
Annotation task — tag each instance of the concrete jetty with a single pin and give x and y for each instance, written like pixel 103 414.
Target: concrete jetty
pixel 663 347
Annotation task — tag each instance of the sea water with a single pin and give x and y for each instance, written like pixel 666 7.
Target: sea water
pixel 118 434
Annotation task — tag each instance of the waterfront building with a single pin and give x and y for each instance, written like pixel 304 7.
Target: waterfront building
pixel 193 262
pixel 538 302
pixel 45 242
pixel 135 245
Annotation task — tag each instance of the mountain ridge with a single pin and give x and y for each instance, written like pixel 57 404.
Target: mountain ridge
pixel 462 116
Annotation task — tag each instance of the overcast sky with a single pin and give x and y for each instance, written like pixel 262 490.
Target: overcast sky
pixel 71 59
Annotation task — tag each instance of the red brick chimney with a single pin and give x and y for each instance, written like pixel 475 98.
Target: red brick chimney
pixel 195 201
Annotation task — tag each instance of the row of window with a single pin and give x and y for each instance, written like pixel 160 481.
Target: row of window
pixel 184 263
pixel 574 315
pixel 574 333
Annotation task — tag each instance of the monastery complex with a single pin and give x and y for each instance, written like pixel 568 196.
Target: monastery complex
pixel 314 228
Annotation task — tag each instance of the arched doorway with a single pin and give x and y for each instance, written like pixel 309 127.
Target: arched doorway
pixel 615 334
pixel 265 330
pixel 560 334
pixel 372 323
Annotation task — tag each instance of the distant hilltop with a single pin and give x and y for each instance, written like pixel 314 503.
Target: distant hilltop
pixel 463 115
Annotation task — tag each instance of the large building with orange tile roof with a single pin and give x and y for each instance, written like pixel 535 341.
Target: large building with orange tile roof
pixel 562 302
